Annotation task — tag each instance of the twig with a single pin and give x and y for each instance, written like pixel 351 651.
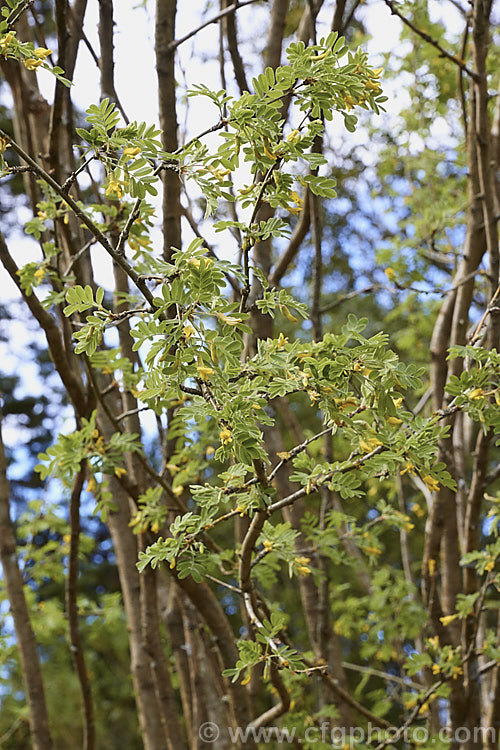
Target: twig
pixel 350 295
pixel 130 412
pixel 78 255
pixel 426 37
pixel 290 499
pixel 232 8
pixel 17 14
pixel 94 229
pixel 384 675
pixel 488 310
pixel 67 183
pixel 295 451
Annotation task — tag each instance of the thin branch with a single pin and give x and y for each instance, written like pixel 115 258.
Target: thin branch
pixel 295 451
pixel 232 8
pixel 404 681
pixel 426 37
pixel 359 461
pixel 351 295
pixel 234 50
pixel 94 229
pixel 16 14
pixel 298 235
pixel 75 638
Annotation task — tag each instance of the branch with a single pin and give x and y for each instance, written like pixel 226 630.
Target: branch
pixel 72 611
pixel 232 8
pixel 26 642
pixel 234 51
pixel 55 343
pixel 426 37
pixel 93 228
pixel 306 490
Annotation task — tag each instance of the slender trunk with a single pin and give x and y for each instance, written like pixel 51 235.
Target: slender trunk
pixel 30 662
pixel 165 69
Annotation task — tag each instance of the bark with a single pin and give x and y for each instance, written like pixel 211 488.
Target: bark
pixel 229 24
pixel 166 702
pixel 28 651
pixel 89 734
pixel 125 546
pixel 209 608
pixel 165 69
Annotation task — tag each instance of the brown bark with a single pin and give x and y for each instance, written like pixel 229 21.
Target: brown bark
pixel 26 641
pixel 125 546
pixel 89 734
pixel 160 670
pixel 165 69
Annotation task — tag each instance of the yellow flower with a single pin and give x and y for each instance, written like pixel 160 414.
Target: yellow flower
pixel 188 331
pixel 394 421
pixel 131 151
pixel 434 641
pixel 225 436
pixel 91 485
pixel 293 136
pixel 304 570
pixel 431 483
pixel 301 560
pixel 409 469
pixel 447 619
pixel 114 186
pixel 221 173
pixel 228 320
pixel 349 102
pixel 284 455
pixel 196 262
pixel 281 341
pixel 418 510
pixel 39 274
pixel 373 550
pixel 41 53
pixel 66 538
pixel 120 471
pixel 489 565
pixel 267 544
pixel 177 491
pixel 368 445
pixel 299 203
pixel 431 566
pixel 209 451
pixel 410 702
pixel 373 84
pixel 397 402
pixel 390 273
pixel 456 671
pixel 436 669
pixel 475 394
pixel 246 679
pixel 288 315
pixel 5 41
pixel 31 63
pixel 204 372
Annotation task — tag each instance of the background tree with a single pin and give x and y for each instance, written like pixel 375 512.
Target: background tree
pixel 261 511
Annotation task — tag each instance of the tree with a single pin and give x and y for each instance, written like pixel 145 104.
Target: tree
pixel 260 455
